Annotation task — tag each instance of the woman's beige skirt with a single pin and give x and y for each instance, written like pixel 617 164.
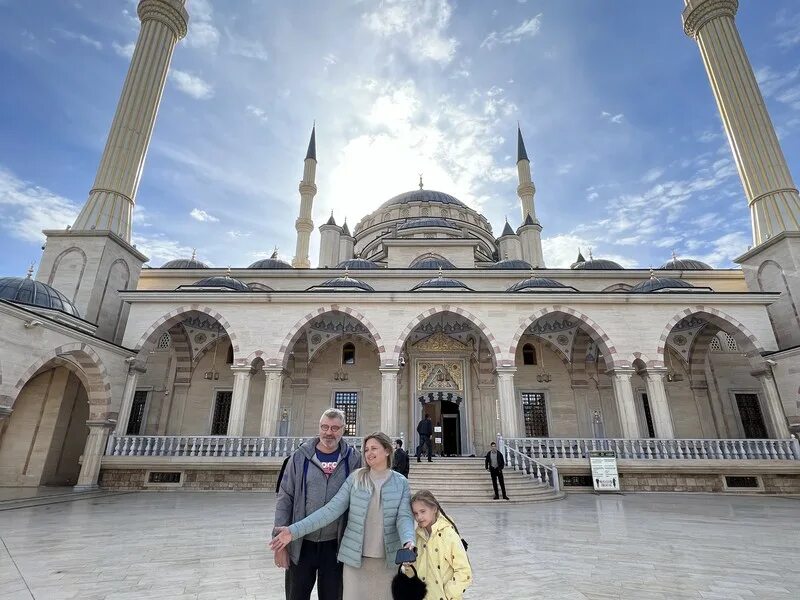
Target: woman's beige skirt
pixel 373 580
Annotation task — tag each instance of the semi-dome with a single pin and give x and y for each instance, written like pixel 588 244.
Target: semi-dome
pixel 344 284
pixel 358 264
pixel 512 263
pixel 418 222
pixel 539 284
pixel 684 264
pixel 423 196
pixel 441 284
pixel 24 290
pixel 431 262
pixel 597 264
pixel 221 281
pixel 663 284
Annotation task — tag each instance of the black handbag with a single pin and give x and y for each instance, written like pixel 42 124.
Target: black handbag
pixel 408 588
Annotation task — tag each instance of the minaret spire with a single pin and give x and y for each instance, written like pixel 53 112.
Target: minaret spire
pixel 308 189
pixel 530 233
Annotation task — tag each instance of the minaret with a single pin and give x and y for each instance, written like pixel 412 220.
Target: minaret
pixel 94 259
pixel 530 232
pixel 508 244
pixel 330 235
pixel 308 189
pixel 771 193
pixel 346 243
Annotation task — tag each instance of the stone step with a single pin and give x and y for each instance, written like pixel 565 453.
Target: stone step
pixel 44 500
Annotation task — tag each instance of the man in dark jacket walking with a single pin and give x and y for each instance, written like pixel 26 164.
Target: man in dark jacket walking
pixel 400 463
pixel 425 431
pixel 495 464
pixel 314 473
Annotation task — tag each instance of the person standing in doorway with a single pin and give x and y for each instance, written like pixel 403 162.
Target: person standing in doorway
pixel 495 464
pixel 425 431
pixel 313 475
pixel 400 462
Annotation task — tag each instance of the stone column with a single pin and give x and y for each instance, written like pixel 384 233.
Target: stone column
pixel 241 389
pixel 771 192
pixel 270 413
pixel 127 400
pixel 509 420
pixel 659 405
pixel 92 454
pixel 5 417
pixel 774 415
pixel 626 407
pixel 111 200
pixel 389 401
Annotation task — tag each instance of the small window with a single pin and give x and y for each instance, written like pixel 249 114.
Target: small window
pixel 164 341
pixel 229 358
pixel 534 413
pixel 222 413
pixel 349 354
pixel 136 419
pixel 528 354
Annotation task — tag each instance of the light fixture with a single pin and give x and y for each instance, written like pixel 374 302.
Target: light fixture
pixel 213 374
pixel 543 376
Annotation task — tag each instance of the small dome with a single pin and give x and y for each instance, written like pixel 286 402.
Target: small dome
pixel 221 281
pixel 24 290
pixel 423 196
pixel 357 264
pixel 597 264
pixel 539 284
pixel 270 263
pixel 662 284
pixel 344 284
pixel 440 284
pixel 431 262
pixel 512 263
pixel 427 222
pixel 184 263
pixel 685 264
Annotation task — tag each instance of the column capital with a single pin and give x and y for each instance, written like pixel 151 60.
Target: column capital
pixel 273 369
pixel 171 13
pixel 700 12
pixel 762 373
pixel 653 372
pixel 241 369
pixel 621 372
pixel 5 411
pixel 505 370
pixel 100 424
pixel 389 370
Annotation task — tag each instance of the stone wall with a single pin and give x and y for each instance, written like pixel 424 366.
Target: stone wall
pixel 194 479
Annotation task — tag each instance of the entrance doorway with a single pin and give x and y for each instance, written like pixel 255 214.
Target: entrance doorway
pixel 750 414
pixel 446 418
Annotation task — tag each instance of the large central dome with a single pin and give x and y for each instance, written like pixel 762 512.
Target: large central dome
pixel 423 196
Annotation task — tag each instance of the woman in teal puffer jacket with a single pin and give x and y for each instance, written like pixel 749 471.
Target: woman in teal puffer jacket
pixel 378 525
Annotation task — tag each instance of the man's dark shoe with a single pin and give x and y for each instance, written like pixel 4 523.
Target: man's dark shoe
pixel 496 498
pixel 506 498
pixel 419 459
pixel 430 460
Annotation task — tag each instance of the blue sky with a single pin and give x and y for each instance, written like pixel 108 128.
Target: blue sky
pixel 628 152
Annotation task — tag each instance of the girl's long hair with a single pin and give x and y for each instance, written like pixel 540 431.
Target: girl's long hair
pixel 429 500
pixel 361 475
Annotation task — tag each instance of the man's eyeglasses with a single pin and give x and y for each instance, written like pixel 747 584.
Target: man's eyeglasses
pixel 331 428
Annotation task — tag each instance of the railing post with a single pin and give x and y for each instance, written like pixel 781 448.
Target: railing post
pixel 110 444
pixel 554 475
pixel 795 447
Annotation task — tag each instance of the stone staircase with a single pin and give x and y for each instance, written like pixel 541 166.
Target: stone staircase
pixel 29 498
pixel 465 481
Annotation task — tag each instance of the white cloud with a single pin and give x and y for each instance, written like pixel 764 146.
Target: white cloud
pixel 160 249
pixel 27 209
pixel 246 48
pixel 789 25
pixel 709 136
pixel 564 169
pixel 420 27
pixel 725 248
pixel 257 112
pixel 80 37
pixel 201 215
pixel 125 51
pixel 192 85
pixel 617 119
pixel 236 235
pixel 514 34
pixel 560 251
pixel 652 175
pixel 202 35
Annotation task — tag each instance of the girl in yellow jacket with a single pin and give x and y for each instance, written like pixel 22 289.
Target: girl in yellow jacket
pixel 442 561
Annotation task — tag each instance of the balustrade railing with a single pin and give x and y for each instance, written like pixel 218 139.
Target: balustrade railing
pixel 649 449
pixel 208 445
pixel 519 461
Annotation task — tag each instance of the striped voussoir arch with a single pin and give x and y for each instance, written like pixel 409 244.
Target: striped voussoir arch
pixel 698 352
pixel 612 358
pixel 183 354
pixel 748 343
pixel 496 352
pixel 294 332
pixel 150 337
pixel 95 377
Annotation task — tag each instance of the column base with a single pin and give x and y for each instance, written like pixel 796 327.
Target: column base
pixel 85 488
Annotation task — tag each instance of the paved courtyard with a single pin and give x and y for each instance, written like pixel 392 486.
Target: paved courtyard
pixel 212 546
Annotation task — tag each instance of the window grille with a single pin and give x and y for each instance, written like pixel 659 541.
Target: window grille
pixel 730 343
pixel 222 413
pixel 347 402
pixel 164 341
pixel 715 345
pixel 534 412
pixel 136 419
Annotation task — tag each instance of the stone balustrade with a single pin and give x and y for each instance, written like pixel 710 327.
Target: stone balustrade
pixel 520 461
pixel 648 449
pixel 208 445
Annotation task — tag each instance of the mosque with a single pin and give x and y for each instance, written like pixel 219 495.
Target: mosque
pixel 118 374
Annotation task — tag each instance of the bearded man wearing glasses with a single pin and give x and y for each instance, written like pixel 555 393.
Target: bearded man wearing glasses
pixel 314 473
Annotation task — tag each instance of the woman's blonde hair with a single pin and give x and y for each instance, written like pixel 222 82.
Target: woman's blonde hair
pixel 361 475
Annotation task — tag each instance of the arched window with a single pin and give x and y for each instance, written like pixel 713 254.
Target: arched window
pixel 229 358
pixel 528 354
pixel 349 354
pixel 164 341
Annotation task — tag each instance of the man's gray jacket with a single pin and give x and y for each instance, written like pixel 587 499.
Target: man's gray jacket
pixel 304 488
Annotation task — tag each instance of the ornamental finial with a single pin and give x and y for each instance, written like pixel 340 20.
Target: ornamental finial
pixel 228 271
pixel 194 253
pixel 30 270
pixel 274 253
pixel 441 274
pixel 420 181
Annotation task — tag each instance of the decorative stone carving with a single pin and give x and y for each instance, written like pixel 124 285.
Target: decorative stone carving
pixel 439 342
pixel 169 12
pixel 440 375
pixel 698 14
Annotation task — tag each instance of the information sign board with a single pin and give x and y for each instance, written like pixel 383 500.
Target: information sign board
pixel 605 477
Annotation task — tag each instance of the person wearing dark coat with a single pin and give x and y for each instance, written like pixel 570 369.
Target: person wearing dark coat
pixel 425 431
pixel 400 462
pixel 495 464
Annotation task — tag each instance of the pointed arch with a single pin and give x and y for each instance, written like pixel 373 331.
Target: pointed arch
pixel 612 358
pixel 297 328
pixel 148 339
pixel 401 340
